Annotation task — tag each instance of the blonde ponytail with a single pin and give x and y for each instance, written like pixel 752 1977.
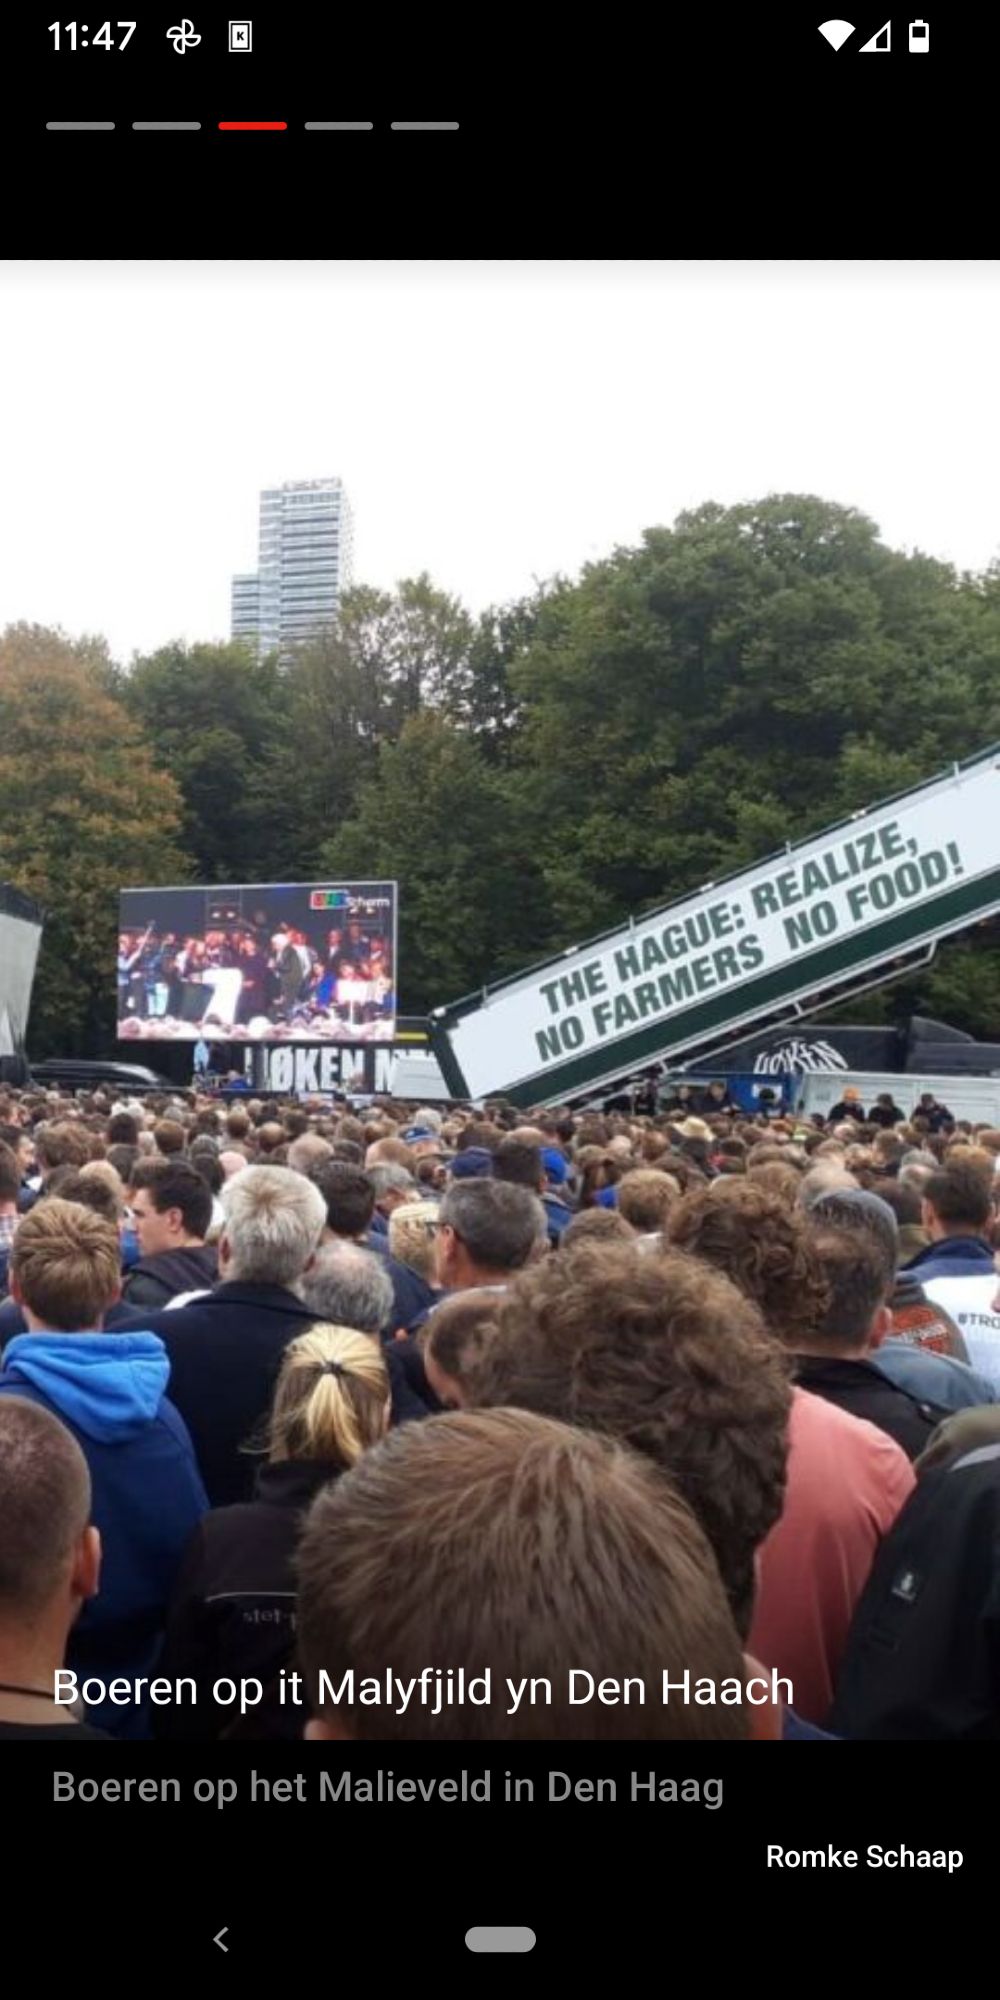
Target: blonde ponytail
pixel 331 1399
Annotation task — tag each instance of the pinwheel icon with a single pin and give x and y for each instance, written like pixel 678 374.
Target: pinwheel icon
pixel 183 38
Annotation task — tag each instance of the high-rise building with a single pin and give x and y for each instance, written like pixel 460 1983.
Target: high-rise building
pixel 246 607
pixel 304 564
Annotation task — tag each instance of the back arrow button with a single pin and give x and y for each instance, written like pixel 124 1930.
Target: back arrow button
pixel 219 1937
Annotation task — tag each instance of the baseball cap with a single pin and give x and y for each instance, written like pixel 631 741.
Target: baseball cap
pixel 474 1163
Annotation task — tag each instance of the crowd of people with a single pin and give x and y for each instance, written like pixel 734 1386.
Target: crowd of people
pixel 245 981
pixel 289 1390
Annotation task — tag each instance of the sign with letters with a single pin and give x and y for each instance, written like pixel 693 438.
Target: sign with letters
pixel 876 886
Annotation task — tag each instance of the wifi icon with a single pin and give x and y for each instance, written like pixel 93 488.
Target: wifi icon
pixel 836 32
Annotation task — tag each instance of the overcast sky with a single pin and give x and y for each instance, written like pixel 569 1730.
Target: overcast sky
pixel 493 423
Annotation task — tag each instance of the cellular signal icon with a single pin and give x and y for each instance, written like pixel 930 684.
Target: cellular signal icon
pixel 836 32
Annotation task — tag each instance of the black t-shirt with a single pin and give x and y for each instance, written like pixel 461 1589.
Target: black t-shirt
pixel 52 1732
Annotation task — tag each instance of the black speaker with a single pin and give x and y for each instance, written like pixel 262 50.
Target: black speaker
pixel 195 1001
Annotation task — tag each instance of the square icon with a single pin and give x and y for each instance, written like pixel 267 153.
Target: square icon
pixel 240 37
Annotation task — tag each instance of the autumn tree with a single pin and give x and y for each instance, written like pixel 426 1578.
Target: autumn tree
pixel 83 811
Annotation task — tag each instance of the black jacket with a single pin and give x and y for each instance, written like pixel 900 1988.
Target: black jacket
pixel 408 1358
pixel 225 1354
pixel 861 1390
pixel 233 1607
pixel 923 1656
pixel 938 1120
pixel 154 1281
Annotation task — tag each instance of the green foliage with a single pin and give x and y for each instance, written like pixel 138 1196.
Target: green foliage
pixel 436 820
pixel 215 719
pixel 963 985
pixel 741 679
pixel 82 812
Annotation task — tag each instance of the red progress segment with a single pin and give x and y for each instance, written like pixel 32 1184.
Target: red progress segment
pixel 247 125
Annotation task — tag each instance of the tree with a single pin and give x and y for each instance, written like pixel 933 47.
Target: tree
pixel 217 719
pixel 411 644
pixel 349 691
pixel 83 811
pixel 739 680
pixel 435 819
pixel 479 695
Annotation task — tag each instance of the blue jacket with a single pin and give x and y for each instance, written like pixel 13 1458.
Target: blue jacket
pixel 795 1729
pixel 933 1378
pixel 557 1216
pixel 953 1257
pixel 411 1294
pixel 108 1389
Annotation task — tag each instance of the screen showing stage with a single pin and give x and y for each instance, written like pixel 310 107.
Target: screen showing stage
pixel 262 962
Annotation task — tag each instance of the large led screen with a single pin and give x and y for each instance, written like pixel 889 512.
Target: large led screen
pixel 262 962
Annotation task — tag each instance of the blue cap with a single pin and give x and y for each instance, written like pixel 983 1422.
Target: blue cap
pixel 474 1163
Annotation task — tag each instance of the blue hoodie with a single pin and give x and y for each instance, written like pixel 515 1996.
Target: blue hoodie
pixel 108 1389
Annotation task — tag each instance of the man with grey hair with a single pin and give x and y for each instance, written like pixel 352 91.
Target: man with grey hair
pixel 426 1116
pixel 226 1349
pixel 308 1152
pixel 827 1177
pixel 393 1186
pixel 487 1231
pixel 915 1170
pixel 349 1194
pixel 349 1286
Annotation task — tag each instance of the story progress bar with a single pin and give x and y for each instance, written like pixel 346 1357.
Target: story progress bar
pixel 275 125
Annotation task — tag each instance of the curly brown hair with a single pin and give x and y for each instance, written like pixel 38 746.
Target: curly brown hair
pixel 598 1224
pixel 762 1243
pixel 779 1177
pixel 645 1197
pixel 668 1357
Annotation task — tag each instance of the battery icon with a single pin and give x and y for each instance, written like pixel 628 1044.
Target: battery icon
pixel 920 38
